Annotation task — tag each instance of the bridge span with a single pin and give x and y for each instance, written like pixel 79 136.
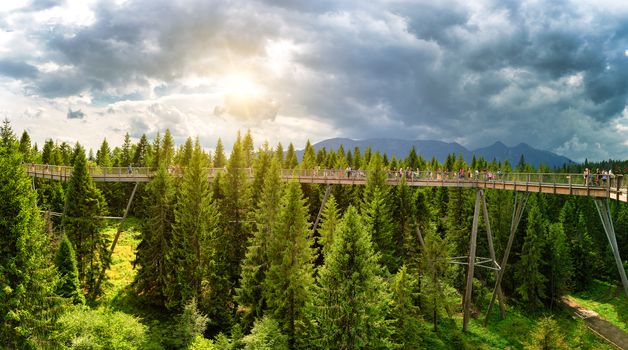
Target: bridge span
pixel 598 187
pixel 552 183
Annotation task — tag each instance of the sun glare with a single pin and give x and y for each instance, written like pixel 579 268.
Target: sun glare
pixel 242 86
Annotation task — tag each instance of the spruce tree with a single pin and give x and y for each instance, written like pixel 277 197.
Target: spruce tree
pixel 247 149
pixel 103 155
pixel 378 222
pixel 435 288
pixel 582 255
pixel 219 155
pixel 185 154
pixel 141 152
pixel 330 218
pixel 404 312
pixel 126 157
pixel 559 262
pixel 309 157
pixel 65 260
pixel 156 278
pixel 25 147
pixel 528 270
pixel 256 261
pixel 167 149
pixel 230 245
pixel 27 277
pixel 291 160
pixel 194 231
pixel 351 303
pixel 403 211
pixel 290 277
pixel 82 204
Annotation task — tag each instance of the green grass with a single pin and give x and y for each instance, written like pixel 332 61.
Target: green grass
pixel 607 300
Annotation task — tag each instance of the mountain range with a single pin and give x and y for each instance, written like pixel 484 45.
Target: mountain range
pixel 439 149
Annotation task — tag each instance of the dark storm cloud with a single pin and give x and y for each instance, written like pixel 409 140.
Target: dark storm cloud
pixel 473 72
pixel 78 114
pixel 17 69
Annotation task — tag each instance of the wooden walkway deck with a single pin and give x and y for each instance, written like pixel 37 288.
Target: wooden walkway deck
pixel 552 183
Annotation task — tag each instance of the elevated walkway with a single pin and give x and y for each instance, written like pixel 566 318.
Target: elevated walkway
pixel 552 183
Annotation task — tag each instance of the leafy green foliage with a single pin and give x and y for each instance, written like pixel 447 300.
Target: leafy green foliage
pixel 547 335
pixel 266 335
pixel 83 328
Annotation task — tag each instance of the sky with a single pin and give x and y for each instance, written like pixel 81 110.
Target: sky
pixel 553 74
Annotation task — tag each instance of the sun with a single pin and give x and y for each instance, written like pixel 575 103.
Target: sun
pixel 241 86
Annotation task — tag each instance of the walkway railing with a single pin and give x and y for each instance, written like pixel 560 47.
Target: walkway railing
pixel 612 186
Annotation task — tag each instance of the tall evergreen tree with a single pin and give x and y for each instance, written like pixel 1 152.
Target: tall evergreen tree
pixel 167 149
pixel 126 156
pixel 82 204
pixel 291 161
pixel 156 278
pixel 247 149
pixel 156 153
pixel 219 155
pixel 141 152
pixel 186 152
pixel 435 288
pixel 27 278
pixel 404 312
pixel 103 155
pixel 7 137
pixel 330 218
pixel 256 261
pixel 350 305
pixel 309 157
pixel 378 221
pixel 65 260
pixel 559 262
pixel 528 270
pixel 582 255
pixel 195 228
pixel 279 153
pixel 289 278
pixel 25 147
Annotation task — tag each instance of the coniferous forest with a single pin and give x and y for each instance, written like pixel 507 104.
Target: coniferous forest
pixel 237 263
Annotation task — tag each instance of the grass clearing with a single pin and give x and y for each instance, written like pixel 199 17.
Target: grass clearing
pixel 607 300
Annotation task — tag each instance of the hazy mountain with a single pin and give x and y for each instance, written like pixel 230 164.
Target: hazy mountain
pixel 439 149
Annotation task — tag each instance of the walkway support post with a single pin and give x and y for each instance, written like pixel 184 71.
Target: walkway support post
pixel 517 213
pixel 491 250
pixel 320 210
pixel 605 215
pixel 466 304
pixel 117 236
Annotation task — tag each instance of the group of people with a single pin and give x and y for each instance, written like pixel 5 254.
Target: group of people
pixel 598 177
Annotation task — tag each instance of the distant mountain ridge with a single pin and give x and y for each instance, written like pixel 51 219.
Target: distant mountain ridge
pixel 439 149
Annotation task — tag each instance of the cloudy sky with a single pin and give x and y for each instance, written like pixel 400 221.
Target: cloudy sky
pixel 553 74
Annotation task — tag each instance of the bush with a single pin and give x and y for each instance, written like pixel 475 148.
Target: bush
pixel 84 328
pixel 266 335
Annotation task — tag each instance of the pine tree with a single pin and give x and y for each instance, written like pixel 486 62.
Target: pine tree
pixel 378 221
pixel 376 179
pixel 103 155
pixel 230 245
pixel 156 278
pixel 528 270
pixel 261 166
pixel 141 152
pixel 309 157
pixel 65 260
pixel 219 155
pixel 27 277
pixel 82 204
pixel 156 153
pixel 582 255
pixel 291 161
pixel 186 152
pixel 256 261
pixel 194 230
pixel 351 303
pixel 126 156
pixel 7 137
pixel 435 289
pixel 330 218
pixel 25 147
pixel 167 150
pixel 404 312
pixel 247 149
pixel 559 264
pixel 290 277
pixel 403 211
pixel 547 335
